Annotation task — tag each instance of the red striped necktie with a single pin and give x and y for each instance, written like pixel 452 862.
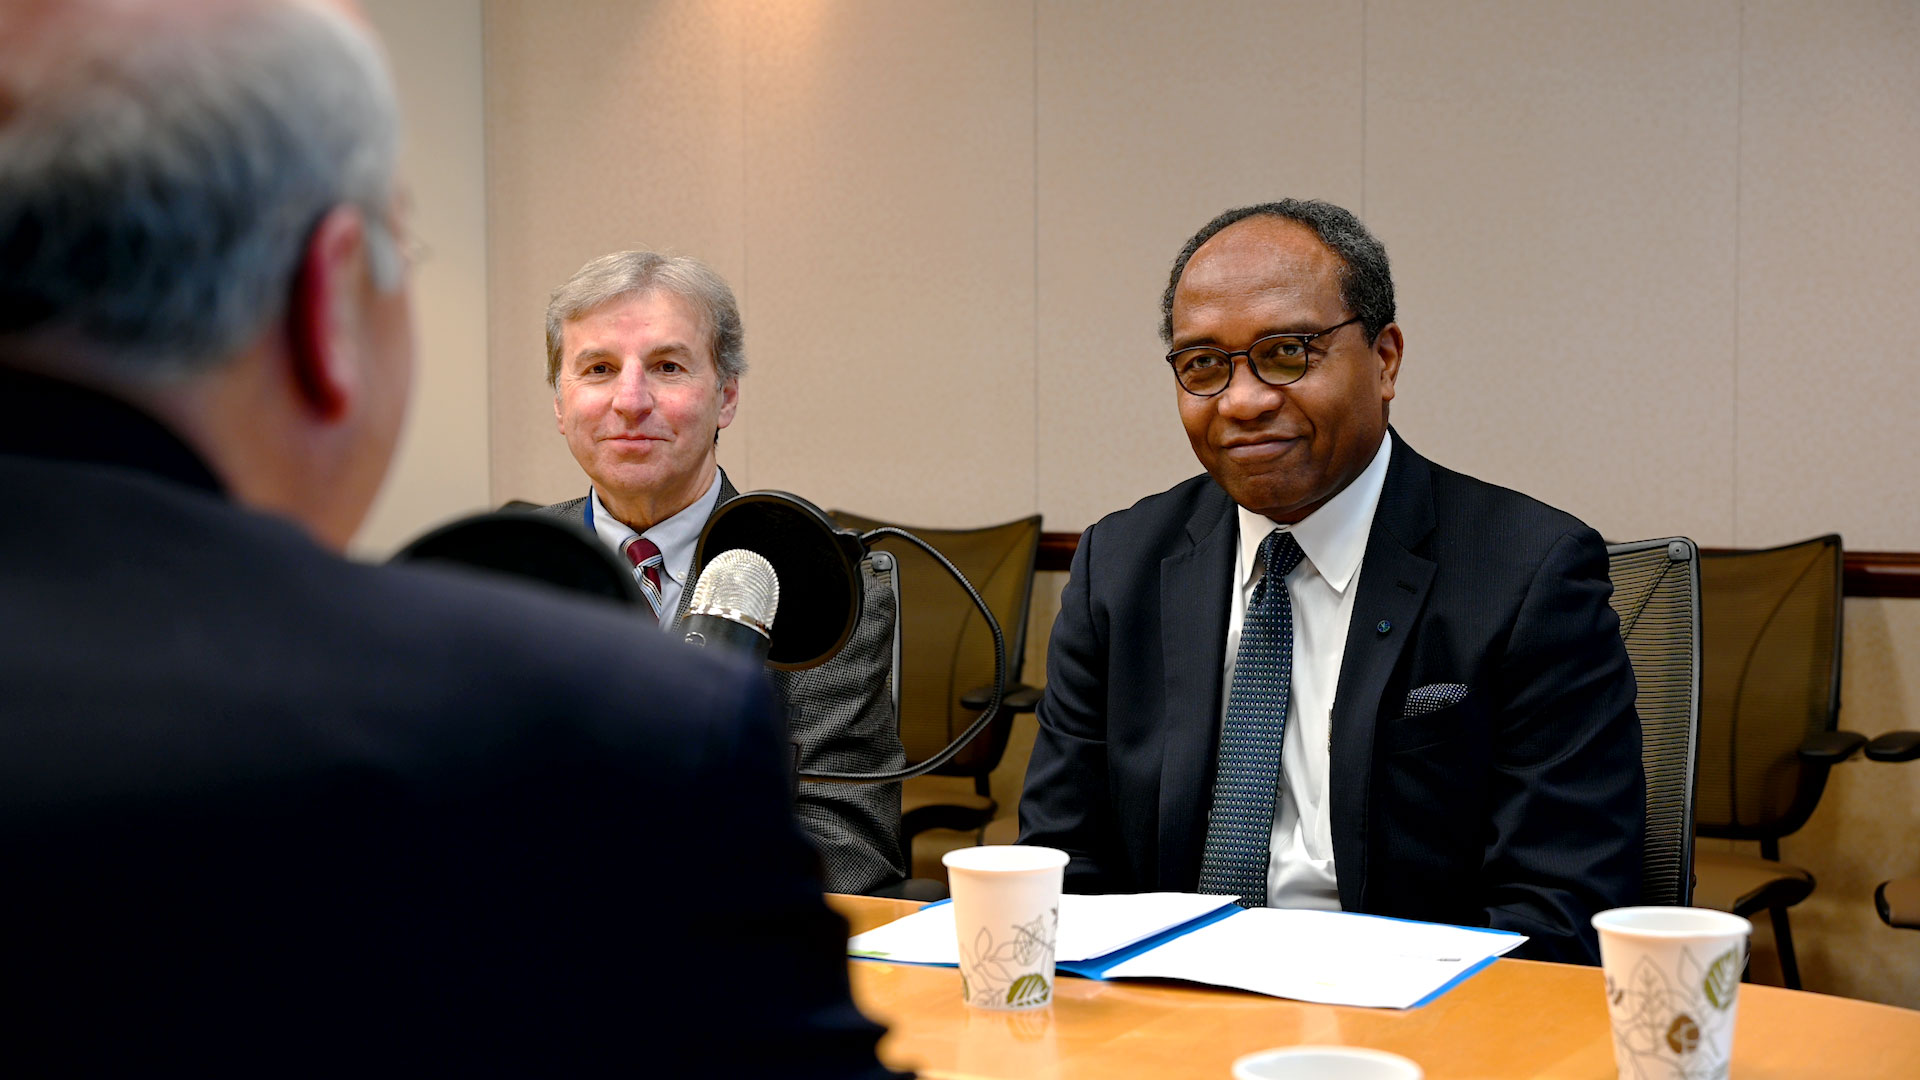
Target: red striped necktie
pixel 647 561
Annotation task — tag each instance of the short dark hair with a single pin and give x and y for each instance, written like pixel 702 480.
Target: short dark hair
pixel 1366 284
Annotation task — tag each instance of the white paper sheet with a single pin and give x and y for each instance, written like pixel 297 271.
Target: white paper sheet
pixel 1332 957
pixel 1090 927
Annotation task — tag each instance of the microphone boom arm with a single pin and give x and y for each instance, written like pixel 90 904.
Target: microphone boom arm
pixel 986 715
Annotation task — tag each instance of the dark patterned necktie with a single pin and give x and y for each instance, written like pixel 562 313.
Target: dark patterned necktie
pixel 647 561
pixel 1240 824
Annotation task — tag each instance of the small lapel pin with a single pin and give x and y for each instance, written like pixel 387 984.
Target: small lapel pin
pixel 1383 626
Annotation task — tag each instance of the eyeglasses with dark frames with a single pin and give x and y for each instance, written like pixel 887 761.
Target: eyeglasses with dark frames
pixel 1277 359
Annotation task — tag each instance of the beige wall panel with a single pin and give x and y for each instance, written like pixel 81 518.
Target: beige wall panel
pixel 611 124
pixel 440 471
pixel 889 210
pixel 1555 183
pixel 1154 117
pixel 1829 276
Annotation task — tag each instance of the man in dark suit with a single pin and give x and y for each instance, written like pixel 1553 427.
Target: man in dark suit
pixel 265 810
pixel 1331 673
pixel 645 354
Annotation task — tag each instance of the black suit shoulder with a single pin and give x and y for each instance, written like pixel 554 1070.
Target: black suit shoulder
pixel 1467 505
pixel 1155 526
pixel 1166 512
pixel 1500 541
pixel 262 793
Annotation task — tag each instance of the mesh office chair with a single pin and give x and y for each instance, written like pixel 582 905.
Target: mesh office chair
pixel 946 659
pixel 1770 700
pixel 1656 593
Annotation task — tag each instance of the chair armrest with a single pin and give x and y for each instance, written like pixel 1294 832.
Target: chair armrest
pixel 1831 747
pixel 1895 746
pixel 1019 698
pixel 1899 902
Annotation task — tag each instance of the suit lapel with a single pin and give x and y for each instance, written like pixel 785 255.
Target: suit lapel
pixel 727 491
pixel 1393 588
pixel 1194 588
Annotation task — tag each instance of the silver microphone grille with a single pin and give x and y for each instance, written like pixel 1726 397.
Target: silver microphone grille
pixel 738 582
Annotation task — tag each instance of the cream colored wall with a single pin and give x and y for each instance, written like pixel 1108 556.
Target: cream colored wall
pixel 1653 259
pixel 441 470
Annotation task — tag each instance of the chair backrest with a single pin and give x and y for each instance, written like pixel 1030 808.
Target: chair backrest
pixel 1771 677
pixel 946 649
pixel 1656 593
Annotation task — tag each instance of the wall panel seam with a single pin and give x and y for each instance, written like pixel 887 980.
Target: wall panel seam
pixel 486 275
pixel 1739 218
pixel 1034 367
pixel 744 38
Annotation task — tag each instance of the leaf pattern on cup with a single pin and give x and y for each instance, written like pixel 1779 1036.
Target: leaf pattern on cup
pixel 1029 989
pixel 1723 980
pixel 1649 993
pixel 997 973
pixel 1675 1025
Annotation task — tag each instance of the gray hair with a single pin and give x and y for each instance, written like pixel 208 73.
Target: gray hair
pixel 633 273
pixel 1366 283
pixel 157 190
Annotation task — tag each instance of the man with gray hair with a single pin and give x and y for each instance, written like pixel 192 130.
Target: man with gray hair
pixel 645 354
pixel 261 806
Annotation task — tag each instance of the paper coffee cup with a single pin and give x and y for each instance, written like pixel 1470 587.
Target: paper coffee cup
pixel 1006 915
pixel 1325 1063
pixel 1673 980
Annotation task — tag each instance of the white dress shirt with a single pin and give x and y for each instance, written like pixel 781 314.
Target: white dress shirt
pixel 1300 871
pixel 676 538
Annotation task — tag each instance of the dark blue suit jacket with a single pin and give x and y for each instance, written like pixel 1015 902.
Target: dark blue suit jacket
pixel 1520 807
pixel 264 810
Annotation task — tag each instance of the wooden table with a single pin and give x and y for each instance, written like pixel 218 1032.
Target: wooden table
pixel 1515 1018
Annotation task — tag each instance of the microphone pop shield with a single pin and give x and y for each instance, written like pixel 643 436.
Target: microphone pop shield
pixel 816 565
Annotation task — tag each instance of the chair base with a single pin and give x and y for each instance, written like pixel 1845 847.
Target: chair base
pixel 957 818
pixel 1746 886
pixel 925 890
pixel 943 802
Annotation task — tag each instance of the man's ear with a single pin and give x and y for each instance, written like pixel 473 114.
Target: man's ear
pixel 323 313
pixel 729 401
pixel 1387 348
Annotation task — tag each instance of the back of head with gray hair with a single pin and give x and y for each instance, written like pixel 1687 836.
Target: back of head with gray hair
pixel 633 273
pixel 157 190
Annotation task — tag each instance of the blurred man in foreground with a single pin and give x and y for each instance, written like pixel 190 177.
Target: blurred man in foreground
pixel 1329 673
pixel 263 808
pixel 645 354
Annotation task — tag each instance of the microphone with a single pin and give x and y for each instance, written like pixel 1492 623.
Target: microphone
pixel 734 603
pixel 815 563
pixel 819 563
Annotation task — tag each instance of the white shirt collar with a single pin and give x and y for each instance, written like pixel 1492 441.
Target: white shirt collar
pixel 1334 537
pixel 676 537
